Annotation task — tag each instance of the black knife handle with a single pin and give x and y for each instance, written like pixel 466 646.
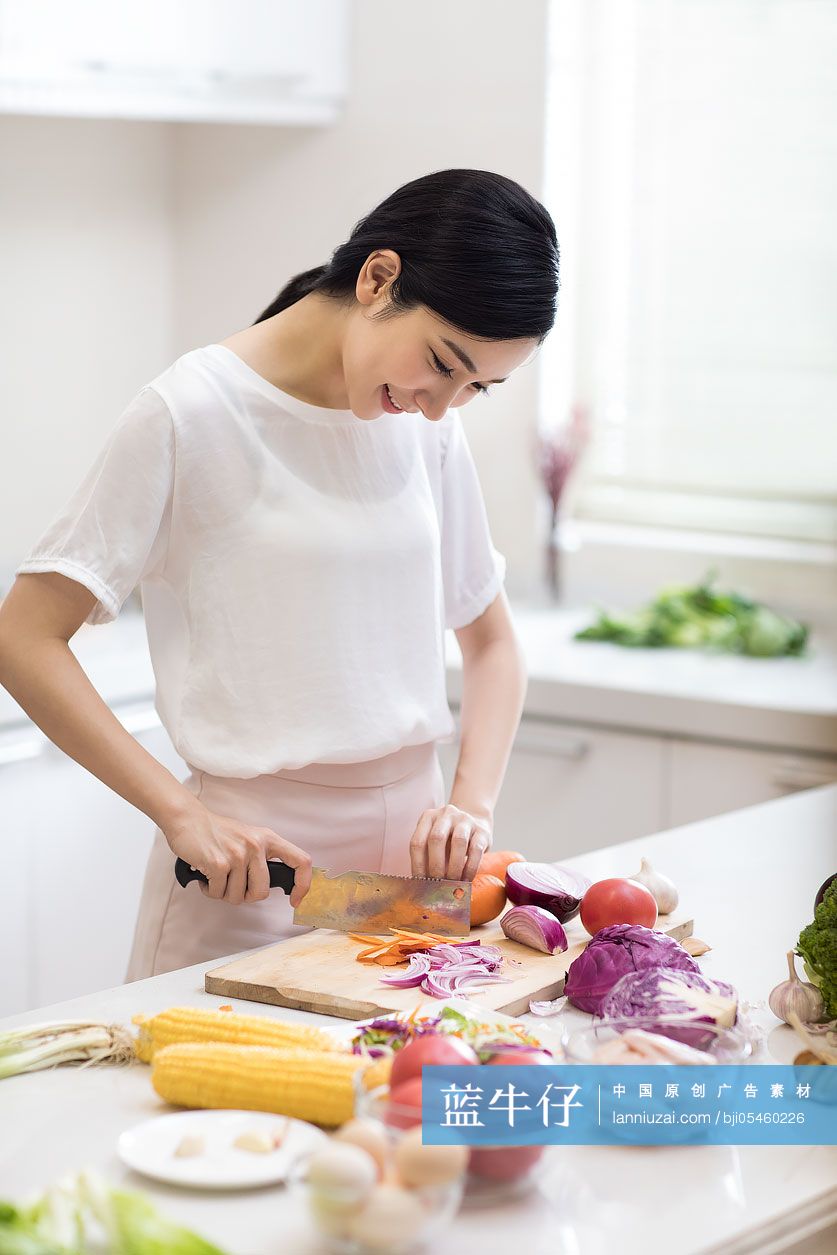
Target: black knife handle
pixel 281 875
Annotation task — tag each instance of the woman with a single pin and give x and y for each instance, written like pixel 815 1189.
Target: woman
pixel 300 507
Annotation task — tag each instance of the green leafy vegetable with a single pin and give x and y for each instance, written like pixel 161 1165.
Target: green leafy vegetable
pixel 818 948
pixel 82 1215
pixel 699 617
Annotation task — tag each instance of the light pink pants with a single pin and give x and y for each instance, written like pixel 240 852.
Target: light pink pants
pixel 347 816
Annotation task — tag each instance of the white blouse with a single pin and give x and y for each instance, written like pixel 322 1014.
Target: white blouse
pixel 298 565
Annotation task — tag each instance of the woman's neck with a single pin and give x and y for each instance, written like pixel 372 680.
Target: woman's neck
pixel 299 350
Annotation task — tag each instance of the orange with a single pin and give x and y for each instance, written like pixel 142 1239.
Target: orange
pixel 495 862
pixel 488 897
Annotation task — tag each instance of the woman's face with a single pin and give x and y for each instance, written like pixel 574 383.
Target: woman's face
pixel 428 366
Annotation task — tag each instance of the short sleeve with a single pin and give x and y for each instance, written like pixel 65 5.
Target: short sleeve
pixel 472 569
pixel 110 533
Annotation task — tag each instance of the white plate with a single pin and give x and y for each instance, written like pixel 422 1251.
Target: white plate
pixel 149 1148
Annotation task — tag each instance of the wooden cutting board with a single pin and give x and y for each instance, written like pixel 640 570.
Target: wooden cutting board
pixel 318 971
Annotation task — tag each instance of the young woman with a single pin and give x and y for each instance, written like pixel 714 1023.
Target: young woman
pixel 300 507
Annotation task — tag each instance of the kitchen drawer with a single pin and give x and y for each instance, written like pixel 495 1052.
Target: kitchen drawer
pixel 710 779
pixel 571 788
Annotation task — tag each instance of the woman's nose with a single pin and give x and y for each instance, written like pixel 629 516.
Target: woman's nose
pixel 436 407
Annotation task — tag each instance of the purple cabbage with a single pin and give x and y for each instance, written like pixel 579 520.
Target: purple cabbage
pixel 674 994
pixel 613 952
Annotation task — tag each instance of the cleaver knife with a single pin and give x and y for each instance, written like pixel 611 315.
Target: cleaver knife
pixel 369 902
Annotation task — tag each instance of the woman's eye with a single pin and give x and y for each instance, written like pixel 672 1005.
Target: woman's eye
pixel 447 372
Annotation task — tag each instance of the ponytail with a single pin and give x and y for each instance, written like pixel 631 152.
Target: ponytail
pixel 293 291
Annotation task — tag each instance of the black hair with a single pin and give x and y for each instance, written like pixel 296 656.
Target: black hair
pixel 476 249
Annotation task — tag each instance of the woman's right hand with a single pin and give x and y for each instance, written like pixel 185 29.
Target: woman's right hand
pixel 233 856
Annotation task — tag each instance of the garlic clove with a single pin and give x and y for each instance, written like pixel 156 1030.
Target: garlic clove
pixel 662 889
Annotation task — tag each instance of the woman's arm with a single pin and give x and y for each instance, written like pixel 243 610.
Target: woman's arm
pixel 493 691
pixel 450 841
pixel 38 617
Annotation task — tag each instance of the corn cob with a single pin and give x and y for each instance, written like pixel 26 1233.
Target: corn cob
pixel 313 1085
pixel 184 1024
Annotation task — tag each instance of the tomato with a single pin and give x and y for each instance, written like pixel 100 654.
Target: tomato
pixel 432 1048
pixel 403 1109
pixel 617 901
pixel 503 1163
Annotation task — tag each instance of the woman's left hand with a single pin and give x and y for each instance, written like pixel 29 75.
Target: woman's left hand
pixel 448 843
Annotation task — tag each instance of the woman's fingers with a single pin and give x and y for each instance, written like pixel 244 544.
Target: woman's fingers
pixel 460 840
pixel 418 843
pixel 480 841
pixel 278 847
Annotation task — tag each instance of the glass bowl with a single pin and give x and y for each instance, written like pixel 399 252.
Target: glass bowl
pixel 495 1173
pixel 336 1214
pixel 724 1045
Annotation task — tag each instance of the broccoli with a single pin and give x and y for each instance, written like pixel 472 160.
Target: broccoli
pixel 817 946
pixel 694 617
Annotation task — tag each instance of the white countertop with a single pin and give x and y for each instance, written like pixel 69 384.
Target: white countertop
pixel 786 703
pixel 749 877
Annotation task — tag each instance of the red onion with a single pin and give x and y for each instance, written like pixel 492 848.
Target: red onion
pixel 548 885
pixel 534 927
pixel 449 967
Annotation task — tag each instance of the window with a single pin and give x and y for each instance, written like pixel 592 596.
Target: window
pixel 692 173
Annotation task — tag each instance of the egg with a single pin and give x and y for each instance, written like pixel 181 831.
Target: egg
pixel 389 1222
pixel 341 1176
pixel 420 1165
pixel 370 1136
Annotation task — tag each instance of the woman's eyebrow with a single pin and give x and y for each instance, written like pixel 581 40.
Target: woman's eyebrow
pixel 465 359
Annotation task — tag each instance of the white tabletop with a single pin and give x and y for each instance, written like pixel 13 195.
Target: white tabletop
pixel 748 877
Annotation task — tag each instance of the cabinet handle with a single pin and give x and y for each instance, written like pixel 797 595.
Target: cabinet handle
pixel 570 747
pixel 21 751
pixel 792 777
pixel 549 741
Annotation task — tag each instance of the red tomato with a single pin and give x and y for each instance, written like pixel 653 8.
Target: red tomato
pixel 403 1109
pixel 529 1055
pixel 617 901
pixel 503 1163
pixel 432 1048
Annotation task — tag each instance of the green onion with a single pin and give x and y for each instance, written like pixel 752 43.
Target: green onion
pixel 68 1041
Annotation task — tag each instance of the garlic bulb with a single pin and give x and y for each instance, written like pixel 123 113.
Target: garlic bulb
pixel 661 888
pixel 797 997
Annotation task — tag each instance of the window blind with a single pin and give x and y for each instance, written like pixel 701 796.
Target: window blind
pixel 692 172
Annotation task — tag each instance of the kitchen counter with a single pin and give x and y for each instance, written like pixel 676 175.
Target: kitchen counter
pixel 749 877
pixel 787 703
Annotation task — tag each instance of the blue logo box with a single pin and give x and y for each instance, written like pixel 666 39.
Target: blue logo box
pixel 648 1105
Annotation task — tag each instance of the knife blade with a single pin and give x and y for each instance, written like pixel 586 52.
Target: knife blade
pixel 370 902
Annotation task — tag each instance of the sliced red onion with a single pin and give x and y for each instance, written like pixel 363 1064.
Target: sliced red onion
pixel 534 927
pixel 445 968
pixel 550 886
pixel 418 966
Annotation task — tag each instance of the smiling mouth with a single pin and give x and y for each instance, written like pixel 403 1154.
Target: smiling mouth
pixel 392 400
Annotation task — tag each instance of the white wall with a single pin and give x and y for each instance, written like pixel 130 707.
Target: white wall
pixel 124 244
pixel 432 85
pixel 86 307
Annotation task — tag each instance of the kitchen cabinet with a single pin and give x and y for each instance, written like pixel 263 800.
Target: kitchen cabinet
pixel 704 779
pixel 256 61
pixel 77 854
pixel 570 788
pixel 573 787
pixel 17 790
